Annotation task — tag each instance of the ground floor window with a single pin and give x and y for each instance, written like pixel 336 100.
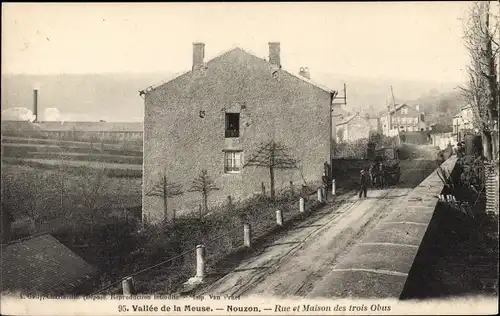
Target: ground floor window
pixel 232 161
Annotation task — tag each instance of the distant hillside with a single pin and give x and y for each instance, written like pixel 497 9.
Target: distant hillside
pixel 88 97
pixel 114 97
pixel 440 107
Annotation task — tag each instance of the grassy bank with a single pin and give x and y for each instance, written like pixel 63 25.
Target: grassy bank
pixel 221 232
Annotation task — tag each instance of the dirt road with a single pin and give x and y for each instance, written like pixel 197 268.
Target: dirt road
pixel 293 264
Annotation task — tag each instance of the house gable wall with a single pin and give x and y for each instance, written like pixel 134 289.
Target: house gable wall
pixel 273 105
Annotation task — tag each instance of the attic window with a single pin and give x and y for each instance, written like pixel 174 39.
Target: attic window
pixel 232 125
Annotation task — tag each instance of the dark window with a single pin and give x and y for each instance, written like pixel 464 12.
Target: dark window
pixel 232 125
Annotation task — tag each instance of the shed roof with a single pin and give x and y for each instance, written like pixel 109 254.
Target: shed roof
pixel 42 265
pixel 348 119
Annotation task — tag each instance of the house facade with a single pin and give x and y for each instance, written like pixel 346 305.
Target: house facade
pixel 462 123
pixel 219 114
pixel 354 127
pixel 402 118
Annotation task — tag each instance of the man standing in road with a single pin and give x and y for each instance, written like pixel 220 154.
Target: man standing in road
pixel 363 183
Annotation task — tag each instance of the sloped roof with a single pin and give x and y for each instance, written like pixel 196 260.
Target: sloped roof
pixel 6 215
pixel 397 107
pixel 347 119
pixel 42 265
pixel 180 74
pixel 54 126
pixel 459 114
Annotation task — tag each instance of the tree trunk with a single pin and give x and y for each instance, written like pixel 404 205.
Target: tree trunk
pixel 487 145
pixel 491 77
pixel 205 202
pixel 91 226
pixel 271 174
pixel 165 199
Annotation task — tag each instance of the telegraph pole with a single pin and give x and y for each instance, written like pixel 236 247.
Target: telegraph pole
pixel 393 100
pixel 334 95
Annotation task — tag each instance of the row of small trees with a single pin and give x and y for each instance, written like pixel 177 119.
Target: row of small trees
pixel 270 155
pixel 166 189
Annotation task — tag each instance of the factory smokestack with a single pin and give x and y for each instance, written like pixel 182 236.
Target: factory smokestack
pixel 35 104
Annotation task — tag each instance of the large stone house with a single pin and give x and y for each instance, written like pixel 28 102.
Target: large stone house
pixel 217 115
pixel 402 118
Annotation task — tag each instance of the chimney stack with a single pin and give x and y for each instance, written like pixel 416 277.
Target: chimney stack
pixel 198 54
pixel 274 54
pixel 304 72
pixel 417 107
pixel 35 104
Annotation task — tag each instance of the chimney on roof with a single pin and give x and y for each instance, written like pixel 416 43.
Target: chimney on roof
pixel 417 107
pixel 198 54
pixel 304 72
pixel 35 104
pixel 274 53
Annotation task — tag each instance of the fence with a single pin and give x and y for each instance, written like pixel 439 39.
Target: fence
pixel 491 186
pixel 360 149
pixel 212 253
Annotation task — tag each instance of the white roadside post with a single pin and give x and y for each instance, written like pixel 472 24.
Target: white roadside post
pixel 279 217
pixel 247 235
pixel 200 261
pixel 302 205
pixel 128 286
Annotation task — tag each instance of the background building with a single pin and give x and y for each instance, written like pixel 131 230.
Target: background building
pixel 402 117
pixel 463 123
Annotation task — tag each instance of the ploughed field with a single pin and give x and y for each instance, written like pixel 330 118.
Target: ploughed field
pixel 118 160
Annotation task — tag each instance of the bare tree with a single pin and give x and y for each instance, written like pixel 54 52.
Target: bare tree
pixel 29 195
pixel 36 208
pixel 340 135
pixel 165 189
pixel 272 156
pixel 481 31
pixel 204 184
pixel 90 185
pixel 62 175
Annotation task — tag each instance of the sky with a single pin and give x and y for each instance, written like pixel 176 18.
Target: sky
pixel 402 40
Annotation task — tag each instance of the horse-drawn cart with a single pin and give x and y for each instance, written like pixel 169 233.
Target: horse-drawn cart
pixel 385 169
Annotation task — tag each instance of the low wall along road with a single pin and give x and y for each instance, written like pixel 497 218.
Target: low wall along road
pixel 378 266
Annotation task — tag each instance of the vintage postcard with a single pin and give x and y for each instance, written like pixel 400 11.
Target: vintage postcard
pixel 250 158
